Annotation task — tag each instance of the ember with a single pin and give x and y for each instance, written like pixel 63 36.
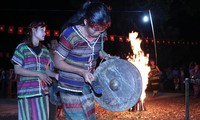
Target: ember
pixel 139 106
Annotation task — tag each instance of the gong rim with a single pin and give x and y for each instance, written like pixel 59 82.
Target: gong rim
pixel 121 84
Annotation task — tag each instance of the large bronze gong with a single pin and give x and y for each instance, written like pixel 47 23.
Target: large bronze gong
pixel 121 84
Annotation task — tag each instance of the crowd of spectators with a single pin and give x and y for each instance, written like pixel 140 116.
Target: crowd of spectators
pixel 172 79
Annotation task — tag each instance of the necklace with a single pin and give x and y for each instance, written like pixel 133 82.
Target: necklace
pixel 91 45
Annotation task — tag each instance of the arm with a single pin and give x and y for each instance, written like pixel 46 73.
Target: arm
pixel 51 73
pixel 158 69
pixel 24 72
pixel 62 65
pixel 104 55
pixel 158 73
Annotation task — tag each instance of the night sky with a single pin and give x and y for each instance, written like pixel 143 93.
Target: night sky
pixel 178 21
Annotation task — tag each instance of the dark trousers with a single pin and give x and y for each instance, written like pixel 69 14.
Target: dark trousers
pixel 52 111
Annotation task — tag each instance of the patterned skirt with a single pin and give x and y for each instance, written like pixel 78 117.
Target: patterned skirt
pixel 78 106
pixel 34 108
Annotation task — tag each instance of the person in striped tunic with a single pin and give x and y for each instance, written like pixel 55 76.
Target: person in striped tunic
pixel 80 45
pixel 154 77
pixel 31 62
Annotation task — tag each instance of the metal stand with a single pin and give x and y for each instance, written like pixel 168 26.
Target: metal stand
pixel 187 83
pixel 187 98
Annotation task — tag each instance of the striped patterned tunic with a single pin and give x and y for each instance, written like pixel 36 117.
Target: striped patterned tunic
pixel 155 75
pixel 79 52
pixel 24 56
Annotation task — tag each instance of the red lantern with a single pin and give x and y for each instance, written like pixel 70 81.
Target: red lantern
pixel 147 40
pixel 11 29
pixel 20 30
pixel 112 38
pixel 56 33
pixel 163 41
pixel 47 32
pixel 168 42
pixel 120 38
pixel 2 28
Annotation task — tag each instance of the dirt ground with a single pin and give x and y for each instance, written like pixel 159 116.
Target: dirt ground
pixel 165 106
pixel 159 108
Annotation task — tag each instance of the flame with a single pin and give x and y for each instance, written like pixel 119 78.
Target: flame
pixel 140 60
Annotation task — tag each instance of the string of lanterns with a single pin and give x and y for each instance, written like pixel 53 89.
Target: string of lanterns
pixel 112 38
pixel 20 30
pixel 151 41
